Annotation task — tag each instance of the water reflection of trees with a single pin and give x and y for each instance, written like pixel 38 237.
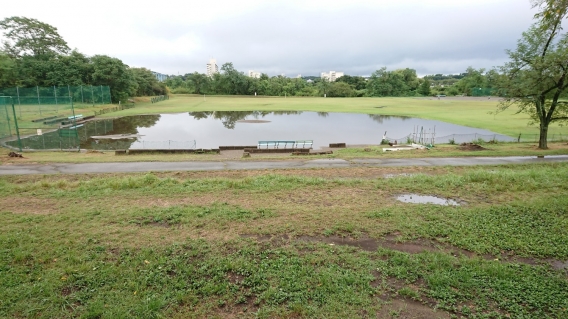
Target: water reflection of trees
pixel 230 118
pixel 381 118
pixel 127 125
pixel 323 114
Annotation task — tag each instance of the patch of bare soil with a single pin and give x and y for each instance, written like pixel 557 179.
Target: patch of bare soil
pixel 415 246
pixel 471 147
pixel 327 173
pixel 559 265
pixel 29 205
pixel 409 309
pixel 8 160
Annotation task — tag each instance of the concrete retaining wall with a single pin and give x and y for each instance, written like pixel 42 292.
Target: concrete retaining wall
pixel 229 148
pixel 182 151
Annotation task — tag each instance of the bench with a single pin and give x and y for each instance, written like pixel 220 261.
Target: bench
pixel 44 119
pixel 276 144
pixel 71 119
pixel 304 143
pixel 285 144
pixel 53 121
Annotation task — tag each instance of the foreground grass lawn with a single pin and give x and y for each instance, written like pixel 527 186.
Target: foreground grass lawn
pixel 322 243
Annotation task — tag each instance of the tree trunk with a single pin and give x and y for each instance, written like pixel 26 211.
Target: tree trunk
pixel 542 142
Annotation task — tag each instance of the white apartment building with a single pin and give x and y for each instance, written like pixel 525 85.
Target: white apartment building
pixel 254 74
pixel 332 75
pixel 212 67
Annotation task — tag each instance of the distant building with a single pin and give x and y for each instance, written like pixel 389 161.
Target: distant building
pixel 299 76
pixel 212 67
pixel 159 76
pixel 331 76
pixel 254 74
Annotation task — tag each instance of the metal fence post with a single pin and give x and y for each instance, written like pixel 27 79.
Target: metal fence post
pixel 55 94
pixel 38 101
pixel 16 125
pixel 7 117
pixel 19 104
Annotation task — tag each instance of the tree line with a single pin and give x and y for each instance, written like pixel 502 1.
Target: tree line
pixel 383 82
pixel 36 55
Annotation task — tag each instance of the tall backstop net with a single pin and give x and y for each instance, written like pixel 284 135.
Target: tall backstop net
pixel 45 117
pixel 7 124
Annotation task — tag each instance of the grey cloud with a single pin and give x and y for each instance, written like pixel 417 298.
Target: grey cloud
pixel 357 40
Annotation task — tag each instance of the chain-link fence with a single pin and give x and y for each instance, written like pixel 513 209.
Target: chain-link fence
pixel 59 95
pixel 483 91
pixel 7 124
pixel 430 138
pixel 49 124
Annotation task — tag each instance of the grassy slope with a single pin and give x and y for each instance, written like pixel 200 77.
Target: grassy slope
pixel 169 244
pixel 462 112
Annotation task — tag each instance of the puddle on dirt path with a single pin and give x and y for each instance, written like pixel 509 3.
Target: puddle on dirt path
pixel 421 199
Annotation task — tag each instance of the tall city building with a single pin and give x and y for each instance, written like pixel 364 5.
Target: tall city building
pixel 331 76
pixel 160 77
pixel 212 67
pixel 254 74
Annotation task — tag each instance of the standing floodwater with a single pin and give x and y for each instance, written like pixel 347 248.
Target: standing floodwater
pixel 224 128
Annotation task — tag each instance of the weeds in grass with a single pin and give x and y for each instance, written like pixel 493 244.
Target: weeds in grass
pixel 507 290
pixel 84 260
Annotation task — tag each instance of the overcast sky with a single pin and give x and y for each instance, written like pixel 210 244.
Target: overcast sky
pixel 289 37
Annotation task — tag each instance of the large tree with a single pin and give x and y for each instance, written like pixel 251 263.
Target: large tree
pixel 537 75
pixel 112 72
pixel 31 37
pixel 147 83
pixel 388 83
pixel 7 70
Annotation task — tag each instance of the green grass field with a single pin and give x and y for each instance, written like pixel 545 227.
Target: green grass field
pixel 468 112
pixel 320 243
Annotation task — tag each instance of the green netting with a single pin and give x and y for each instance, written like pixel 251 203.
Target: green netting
pixel 54 95
pixel 482 91
pixel 6 117
pixel 45 116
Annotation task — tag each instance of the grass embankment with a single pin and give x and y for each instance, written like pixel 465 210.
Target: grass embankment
pixel 473 112
pixel 500 149
pixel 258 244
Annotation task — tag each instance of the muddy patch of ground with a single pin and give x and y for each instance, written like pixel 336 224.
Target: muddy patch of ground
pixel 415 246
pixel 410 309
pixel 471 147
pixel 29 205
pixel 422 199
